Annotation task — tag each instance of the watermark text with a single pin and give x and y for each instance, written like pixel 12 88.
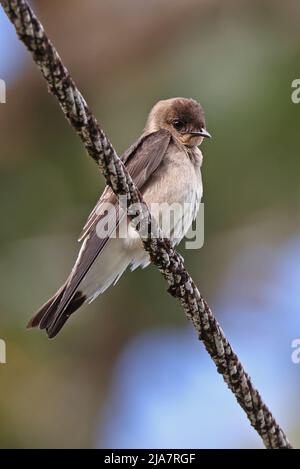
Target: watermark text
pixel 174 221
pixel 2 91
pixel 296 352
pixel 2 351
pixel 296 93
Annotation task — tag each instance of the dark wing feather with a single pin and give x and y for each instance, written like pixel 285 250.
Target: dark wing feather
pixel 107 196
pixel 147 156
pixel 141 160
pixel 92 247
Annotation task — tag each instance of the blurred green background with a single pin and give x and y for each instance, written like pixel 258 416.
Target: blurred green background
pixel 87 388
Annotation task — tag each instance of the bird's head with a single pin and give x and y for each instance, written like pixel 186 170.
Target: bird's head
pixel 182 117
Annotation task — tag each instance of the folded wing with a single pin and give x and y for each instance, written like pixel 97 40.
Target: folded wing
pixel 142 159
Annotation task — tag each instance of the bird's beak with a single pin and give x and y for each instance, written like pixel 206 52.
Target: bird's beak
pixel 201 133
pixel 204 133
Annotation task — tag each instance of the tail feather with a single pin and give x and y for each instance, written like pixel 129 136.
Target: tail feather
pixel 50 312
pixel 46 317
pixel 36 319
pixel 57 321
pixel 47 310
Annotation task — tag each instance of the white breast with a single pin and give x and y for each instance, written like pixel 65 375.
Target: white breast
pixel 177 187
pixel 175 191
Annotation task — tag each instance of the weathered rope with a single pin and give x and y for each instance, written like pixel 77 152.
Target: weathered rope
pixel 168 261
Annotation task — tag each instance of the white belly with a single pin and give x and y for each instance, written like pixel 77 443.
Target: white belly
pixel 173 197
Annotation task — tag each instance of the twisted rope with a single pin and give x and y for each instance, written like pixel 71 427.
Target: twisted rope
pixel 162 254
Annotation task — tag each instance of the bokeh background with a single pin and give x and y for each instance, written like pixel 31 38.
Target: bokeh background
pixel 128 371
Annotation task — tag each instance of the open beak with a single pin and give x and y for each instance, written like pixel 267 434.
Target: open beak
pixel 201 133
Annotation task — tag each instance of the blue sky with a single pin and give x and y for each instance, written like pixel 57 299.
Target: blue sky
pixel 12 52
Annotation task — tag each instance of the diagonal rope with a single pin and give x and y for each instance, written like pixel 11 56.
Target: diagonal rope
pixel 163 255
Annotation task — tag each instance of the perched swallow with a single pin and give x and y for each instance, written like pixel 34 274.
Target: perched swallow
pixel 165 164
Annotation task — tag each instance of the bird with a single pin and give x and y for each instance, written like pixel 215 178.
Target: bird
pixel 165 165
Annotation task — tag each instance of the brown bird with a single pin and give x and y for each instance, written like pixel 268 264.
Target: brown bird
pixel 165 164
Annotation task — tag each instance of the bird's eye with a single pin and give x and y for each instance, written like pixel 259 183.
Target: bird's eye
pixel 178 124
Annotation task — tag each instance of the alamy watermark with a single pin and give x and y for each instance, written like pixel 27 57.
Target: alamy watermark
pixel 295 96
pixel 2 92
pixel 2 351
pixel 175 221
pixel 296 352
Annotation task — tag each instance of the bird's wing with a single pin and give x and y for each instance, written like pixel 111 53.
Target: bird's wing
pixel 107 196
pixel 141 160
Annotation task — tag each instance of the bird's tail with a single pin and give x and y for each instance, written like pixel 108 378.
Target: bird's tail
pixel 46 315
